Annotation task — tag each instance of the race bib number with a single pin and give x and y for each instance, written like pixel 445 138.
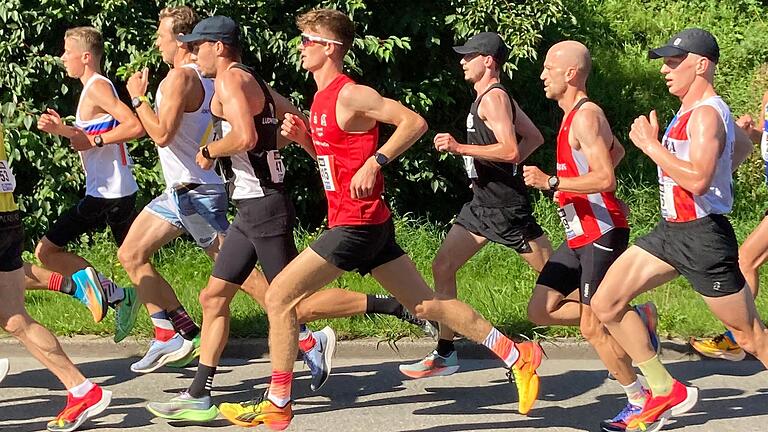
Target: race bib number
pixel 469 165
pixel 667 195
pixel 327 174
pixel 276 166
pixel 7 180
pixel 570 221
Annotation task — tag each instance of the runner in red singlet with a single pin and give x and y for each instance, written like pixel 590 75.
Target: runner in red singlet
pixel 344 130
pixel 695 159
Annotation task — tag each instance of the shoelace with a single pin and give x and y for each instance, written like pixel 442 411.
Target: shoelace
pixel 628 411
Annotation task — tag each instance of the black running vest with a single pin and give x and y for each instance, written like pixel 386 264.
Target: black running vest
pixel 494 184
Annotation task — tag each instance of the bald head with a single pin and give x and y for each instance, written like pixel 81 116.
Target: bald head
pixel 572 54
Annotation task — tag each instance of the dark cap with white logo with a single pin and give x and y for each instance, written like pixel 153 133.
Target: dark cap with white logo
pixel 692 40
pixel 486 43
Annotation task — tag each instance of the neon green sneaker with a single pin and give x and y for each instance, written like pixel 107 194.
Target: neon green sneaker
pixel 189 358
pixel 125 314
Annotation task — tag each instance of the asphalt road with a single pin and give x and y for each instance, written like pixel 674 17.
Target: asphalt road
pixel 370 395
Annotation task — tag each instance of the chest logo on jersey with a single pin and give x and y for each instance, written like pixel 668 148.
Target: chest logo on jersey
pixel 318 130
pixel 470 123
pixel 561 166
pixel 670 144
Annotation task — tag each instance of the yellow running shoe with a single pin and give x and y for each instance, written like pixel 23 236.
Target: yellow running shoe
pixel 523 373
pixel 254 413
pixel 721 347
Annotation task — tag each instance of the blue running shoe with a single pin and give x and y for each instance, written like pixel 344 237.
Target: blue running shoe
pixel 650 317
pixel 619 423
pixel 89 291
pixel 320 357
pixel 162 353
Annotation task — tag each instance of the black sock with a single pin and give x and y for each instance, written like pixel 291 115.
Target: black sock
pixel 383 305
pixel 445 347
pixel 203 382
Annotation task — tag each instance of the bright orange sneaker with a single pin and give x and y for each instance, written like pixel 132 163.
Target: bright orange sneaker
pixel 659 409
pixel 524 375
pixel 252 413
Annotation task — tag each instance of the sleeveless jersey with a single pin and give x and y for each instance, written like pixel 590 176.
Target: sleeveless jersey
pixel 586 217
pixel 340 155
pixel 108 168
pixel 680 205
pixel 195 130
pixel 259 171
pixel 494 184
pixel 7 180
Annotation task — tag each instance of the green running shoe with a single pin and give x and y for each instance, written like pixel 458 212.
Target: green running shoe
pixel 185 407
pixel 125 314
pixel 189 358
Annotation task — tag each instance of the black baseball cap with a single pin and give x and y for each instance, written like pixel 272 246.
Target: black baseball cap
pixel 486 43
pixel 214 29
pixel 692 40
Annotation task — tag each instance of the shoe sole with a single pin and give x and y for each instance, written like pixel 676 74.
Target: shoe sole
pixel 721 355
pixel 162 361
pixel 5 366
pixel 184 362
pixel 443 371
pixel 98 408
pixel 188 414
pixel 93 279
pixel 329 350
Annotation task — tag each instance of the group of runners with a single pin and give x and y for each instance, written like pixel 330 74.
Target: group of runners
pixel 211 107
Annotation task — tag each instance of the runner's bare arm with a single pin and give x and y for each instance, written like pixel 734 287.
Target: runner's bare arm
pixel 591 130
pixel 742 148
pixel 617 152
pixel 531 137
pixel 285 107
pixel 162 126
pixel 707 135
pixel 129 128
pixel 231 87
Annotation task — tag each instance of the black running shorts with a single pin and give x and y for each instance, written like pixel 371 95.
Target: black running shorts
pixel 584 267
pixel 262 232
pixel 361 248
pixel 704 251
pixel 92 214
pixel 11 241
pixel 512 226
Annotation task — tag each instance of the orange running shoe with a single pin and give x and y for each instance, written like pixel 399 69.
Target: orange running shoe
pixel 523 373
pixel 254 413
pixel 78 410
pixel 659 409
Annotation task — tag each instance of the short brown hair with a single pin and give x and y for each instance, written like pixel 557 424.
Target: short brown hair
pixel 332 20
pixel 89 38
pixel 184 18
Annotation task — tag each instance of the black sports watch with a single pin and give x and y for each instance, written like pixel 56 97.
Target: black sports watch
pixel 381 159
pixel 98 140
pixel 553 182
pixel 206 154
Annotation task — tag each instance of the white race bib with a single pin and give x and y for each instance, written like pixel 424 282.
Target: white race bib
pixel 276 167
pixel 667 195
pixel 570 221
pixel 325 163
pixel 7 180
pixel 469 165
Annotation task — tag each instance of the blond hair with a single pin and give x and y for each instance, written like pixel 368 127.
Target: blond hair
pixel 89 38
pixel 184 19
pixel 332 20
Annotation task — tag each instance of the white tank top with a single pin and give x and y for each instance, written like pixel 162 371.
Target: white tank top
pixel 195 130
pixel 680 205
pixel 108 168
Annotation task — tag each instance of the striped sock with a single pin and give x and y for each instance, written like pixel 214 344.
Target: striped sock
pixel 306 338
pixel 203 381
pixel 502 346
pixel 115 293
pixel 57 282
pixel 280 388
pixel 163 327
pixel 183 323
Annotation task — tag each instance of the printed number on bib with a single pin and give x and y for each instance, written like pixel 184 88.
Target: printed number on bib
pixel 327 174
pixel 276 167
pixel 570 221
pixel 469 165
pixel 7 180
pixel 667 195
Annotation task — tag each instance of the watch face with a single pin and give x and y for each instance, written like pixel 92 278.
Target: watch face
pixel 136 102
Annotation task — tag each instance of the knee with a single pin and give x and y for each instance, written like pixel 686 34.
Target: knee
pixel 15 324
pixel 537 311
pixel 44 251
pixel 213 304
pixel 131 257
pixel 604 309
pixel 591 329
pixel 275 300
pixel 444 266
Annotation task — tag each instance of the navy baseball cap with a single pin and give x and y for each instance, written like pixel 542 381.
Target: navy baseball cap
pixel 486 43
pixel 214 29
pixel 692 40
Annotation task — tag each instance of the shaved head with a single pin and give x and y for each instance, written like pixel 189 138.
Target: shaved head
pixel 567 65
pixel 572 54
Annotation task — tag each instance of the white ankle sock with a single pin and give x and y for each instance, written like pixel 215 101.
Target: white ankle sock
pixel 82 389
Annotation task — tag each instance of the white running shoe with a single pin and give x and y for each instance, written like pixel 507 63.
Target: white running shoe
pixel 161 353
